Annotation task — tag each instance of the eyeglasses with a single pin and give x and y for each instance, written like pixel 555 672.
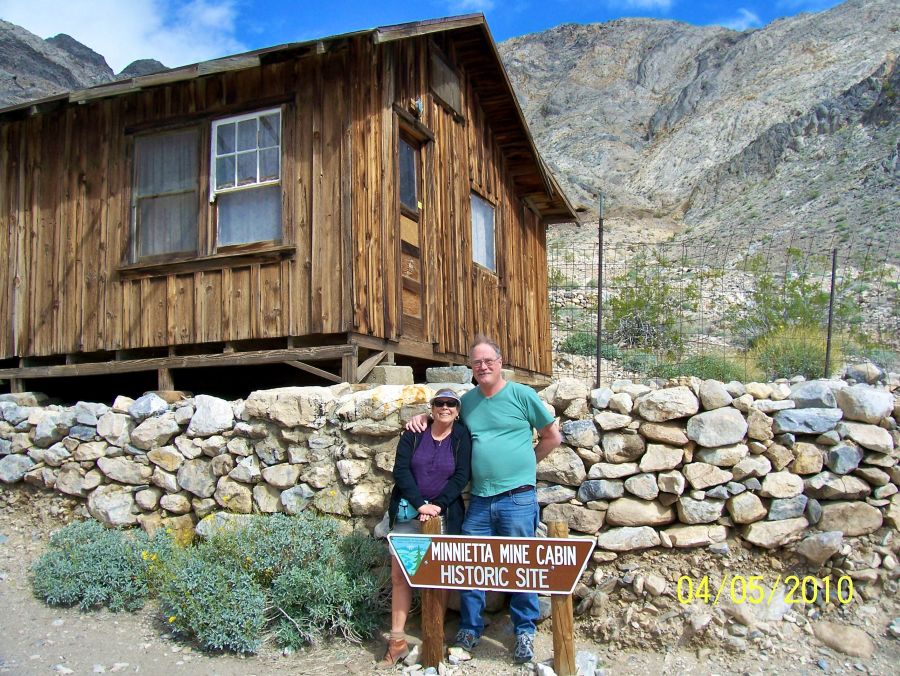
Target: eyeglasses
pixel 445 403
pixel 476 363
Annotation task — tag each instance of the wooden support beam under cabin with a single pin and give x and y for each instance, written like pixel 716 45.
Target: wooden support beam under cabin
pixel 349 366
pixel 366 367
pixel 164 380
pixel 315 371
pixel 327 352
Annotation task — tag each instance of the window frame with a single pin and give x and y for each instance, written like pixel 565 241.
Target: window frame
pixel 214 192
pixel 475 195
pixel 135 226
pixel 208 253
pixel 213 155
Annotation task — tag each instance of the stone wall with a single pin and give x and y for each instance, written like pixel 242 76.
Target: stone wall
pixel 679 464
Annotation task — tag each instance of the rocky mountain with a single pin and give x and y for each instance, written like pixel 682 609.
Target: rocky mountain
pixel 33 68
pixel 705 130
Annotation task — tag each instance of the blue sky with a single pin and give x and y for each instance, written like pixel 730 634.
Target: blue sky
pixel 178 32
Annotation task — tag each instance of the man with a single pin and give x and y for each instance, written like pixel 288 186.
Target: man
pixel 501 416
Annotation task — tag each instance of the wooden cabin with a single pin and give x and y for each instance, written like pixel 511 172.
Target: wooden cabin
pixel 364 198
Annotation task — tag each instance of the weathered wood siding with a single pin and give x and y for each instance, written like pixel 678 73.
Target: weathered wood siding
pixel 463 299
pixel 66 213
pixel 65 217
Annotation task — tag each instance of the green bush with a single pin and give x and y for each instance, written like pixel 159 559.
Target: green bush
pixel 637 361
pixel 706 366
pixel 297 577
pixel 580 342
pixel 211 598
pixel 334 595
pixel 794 350
pixel 648 308
pixel 89 565
pixel 793 297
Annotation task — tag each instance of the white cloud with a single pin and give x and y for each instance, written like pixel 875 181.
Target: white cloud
pixel 744 20
pixel 175 32
pixel 471 5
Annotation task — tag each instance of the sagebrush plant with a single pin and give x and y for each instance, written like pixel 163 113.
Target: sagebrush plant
pixel 296 577
pixel 795 350
pixel 209 597
pixel 89 565
pixel 333 595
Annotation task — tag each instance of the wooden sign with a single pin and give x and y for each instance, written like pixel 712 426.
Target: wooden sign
pixel 548 565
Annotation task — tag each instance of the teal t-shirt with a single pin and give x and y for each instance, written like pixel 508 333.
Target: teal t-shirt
pixel 501 426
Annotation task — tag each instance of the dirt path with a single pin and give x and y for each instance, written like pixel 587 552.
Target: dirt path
pixel 37 639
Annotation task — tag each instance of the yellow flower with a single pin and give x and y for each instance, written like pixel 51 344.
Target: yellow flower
pixel 144 555
pixel 171 619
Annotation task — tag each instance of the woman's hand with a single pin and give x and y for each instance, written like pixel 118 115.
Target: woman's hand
pixel 418 423
pixel 428 511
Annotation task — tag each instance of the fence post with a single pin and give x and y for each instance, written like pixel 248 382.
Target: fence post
pixel 830 314
pixel 599 288
pixel 432 613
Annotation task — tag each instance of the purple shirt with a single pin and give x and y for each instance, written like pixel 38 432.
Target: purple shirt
pixel 432 464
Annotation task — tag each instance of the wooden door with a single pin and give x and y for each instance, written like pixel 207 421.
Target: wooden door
pixel 412 280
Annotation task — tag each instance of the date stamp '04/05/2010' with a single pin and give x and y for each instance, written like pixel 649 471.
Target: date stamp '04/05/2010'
pixel 756 589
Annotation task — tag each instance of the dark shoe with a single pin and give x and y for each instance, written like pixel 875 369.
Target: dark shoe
pixel 467 640
pixel 524 651
pixel 396 651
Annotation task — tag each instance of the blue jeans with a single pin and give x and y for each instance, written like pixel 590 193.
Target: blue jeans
pixel 515 515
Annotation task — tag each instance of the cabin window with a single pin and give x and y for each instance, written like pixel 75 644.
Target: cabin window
pixel 445 83
pixel 409 184
pixel 166 195
pixel 483 232
pixel 245 183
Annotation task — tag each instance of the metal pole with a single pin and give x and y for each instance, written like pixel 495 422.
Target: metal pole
pixel 830 313
pixel 599 288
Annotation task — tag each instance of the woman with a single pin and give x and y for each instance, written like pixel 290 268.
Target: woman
pixel 430 471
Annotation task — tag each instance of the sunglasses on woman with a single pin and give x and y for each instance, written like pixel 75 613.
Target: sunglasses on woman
pixel 448 403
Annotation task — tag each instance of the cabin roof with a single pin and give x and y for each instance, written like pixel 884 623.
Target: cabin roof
pixel 475 50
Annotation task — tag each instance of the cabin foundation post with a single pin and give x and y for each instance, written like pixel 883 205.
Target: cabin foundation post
pixel 164 380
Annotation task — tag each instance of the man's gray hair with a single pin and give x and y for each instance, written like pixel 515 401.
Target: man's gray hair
pixel 482 339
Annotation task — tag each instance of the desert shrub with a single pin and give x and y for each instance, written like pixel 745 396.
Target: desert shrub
pixel 580 342
pixel 793 297
pixel 648 308
pixel 297 577
pixel 638 361
pixel 209 597
pixel 334 595
pixel 794 350
pixel 706 366
pixel 89 565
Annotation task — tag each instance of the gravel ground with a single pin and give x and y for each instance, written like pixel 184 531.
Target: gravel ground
pixel 37 639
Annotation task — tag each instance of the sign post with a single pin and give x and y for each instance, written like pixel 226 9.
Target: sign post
pixel 432 612
pixel 563 619
pixel 540 565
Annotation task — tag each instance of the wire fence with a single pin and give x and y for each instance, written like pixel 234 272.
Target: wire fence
pixel 738 309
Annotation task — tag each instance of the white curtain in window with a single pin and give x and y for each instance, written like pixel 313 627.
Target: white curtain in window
pixel 252 215
pixel 165 193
